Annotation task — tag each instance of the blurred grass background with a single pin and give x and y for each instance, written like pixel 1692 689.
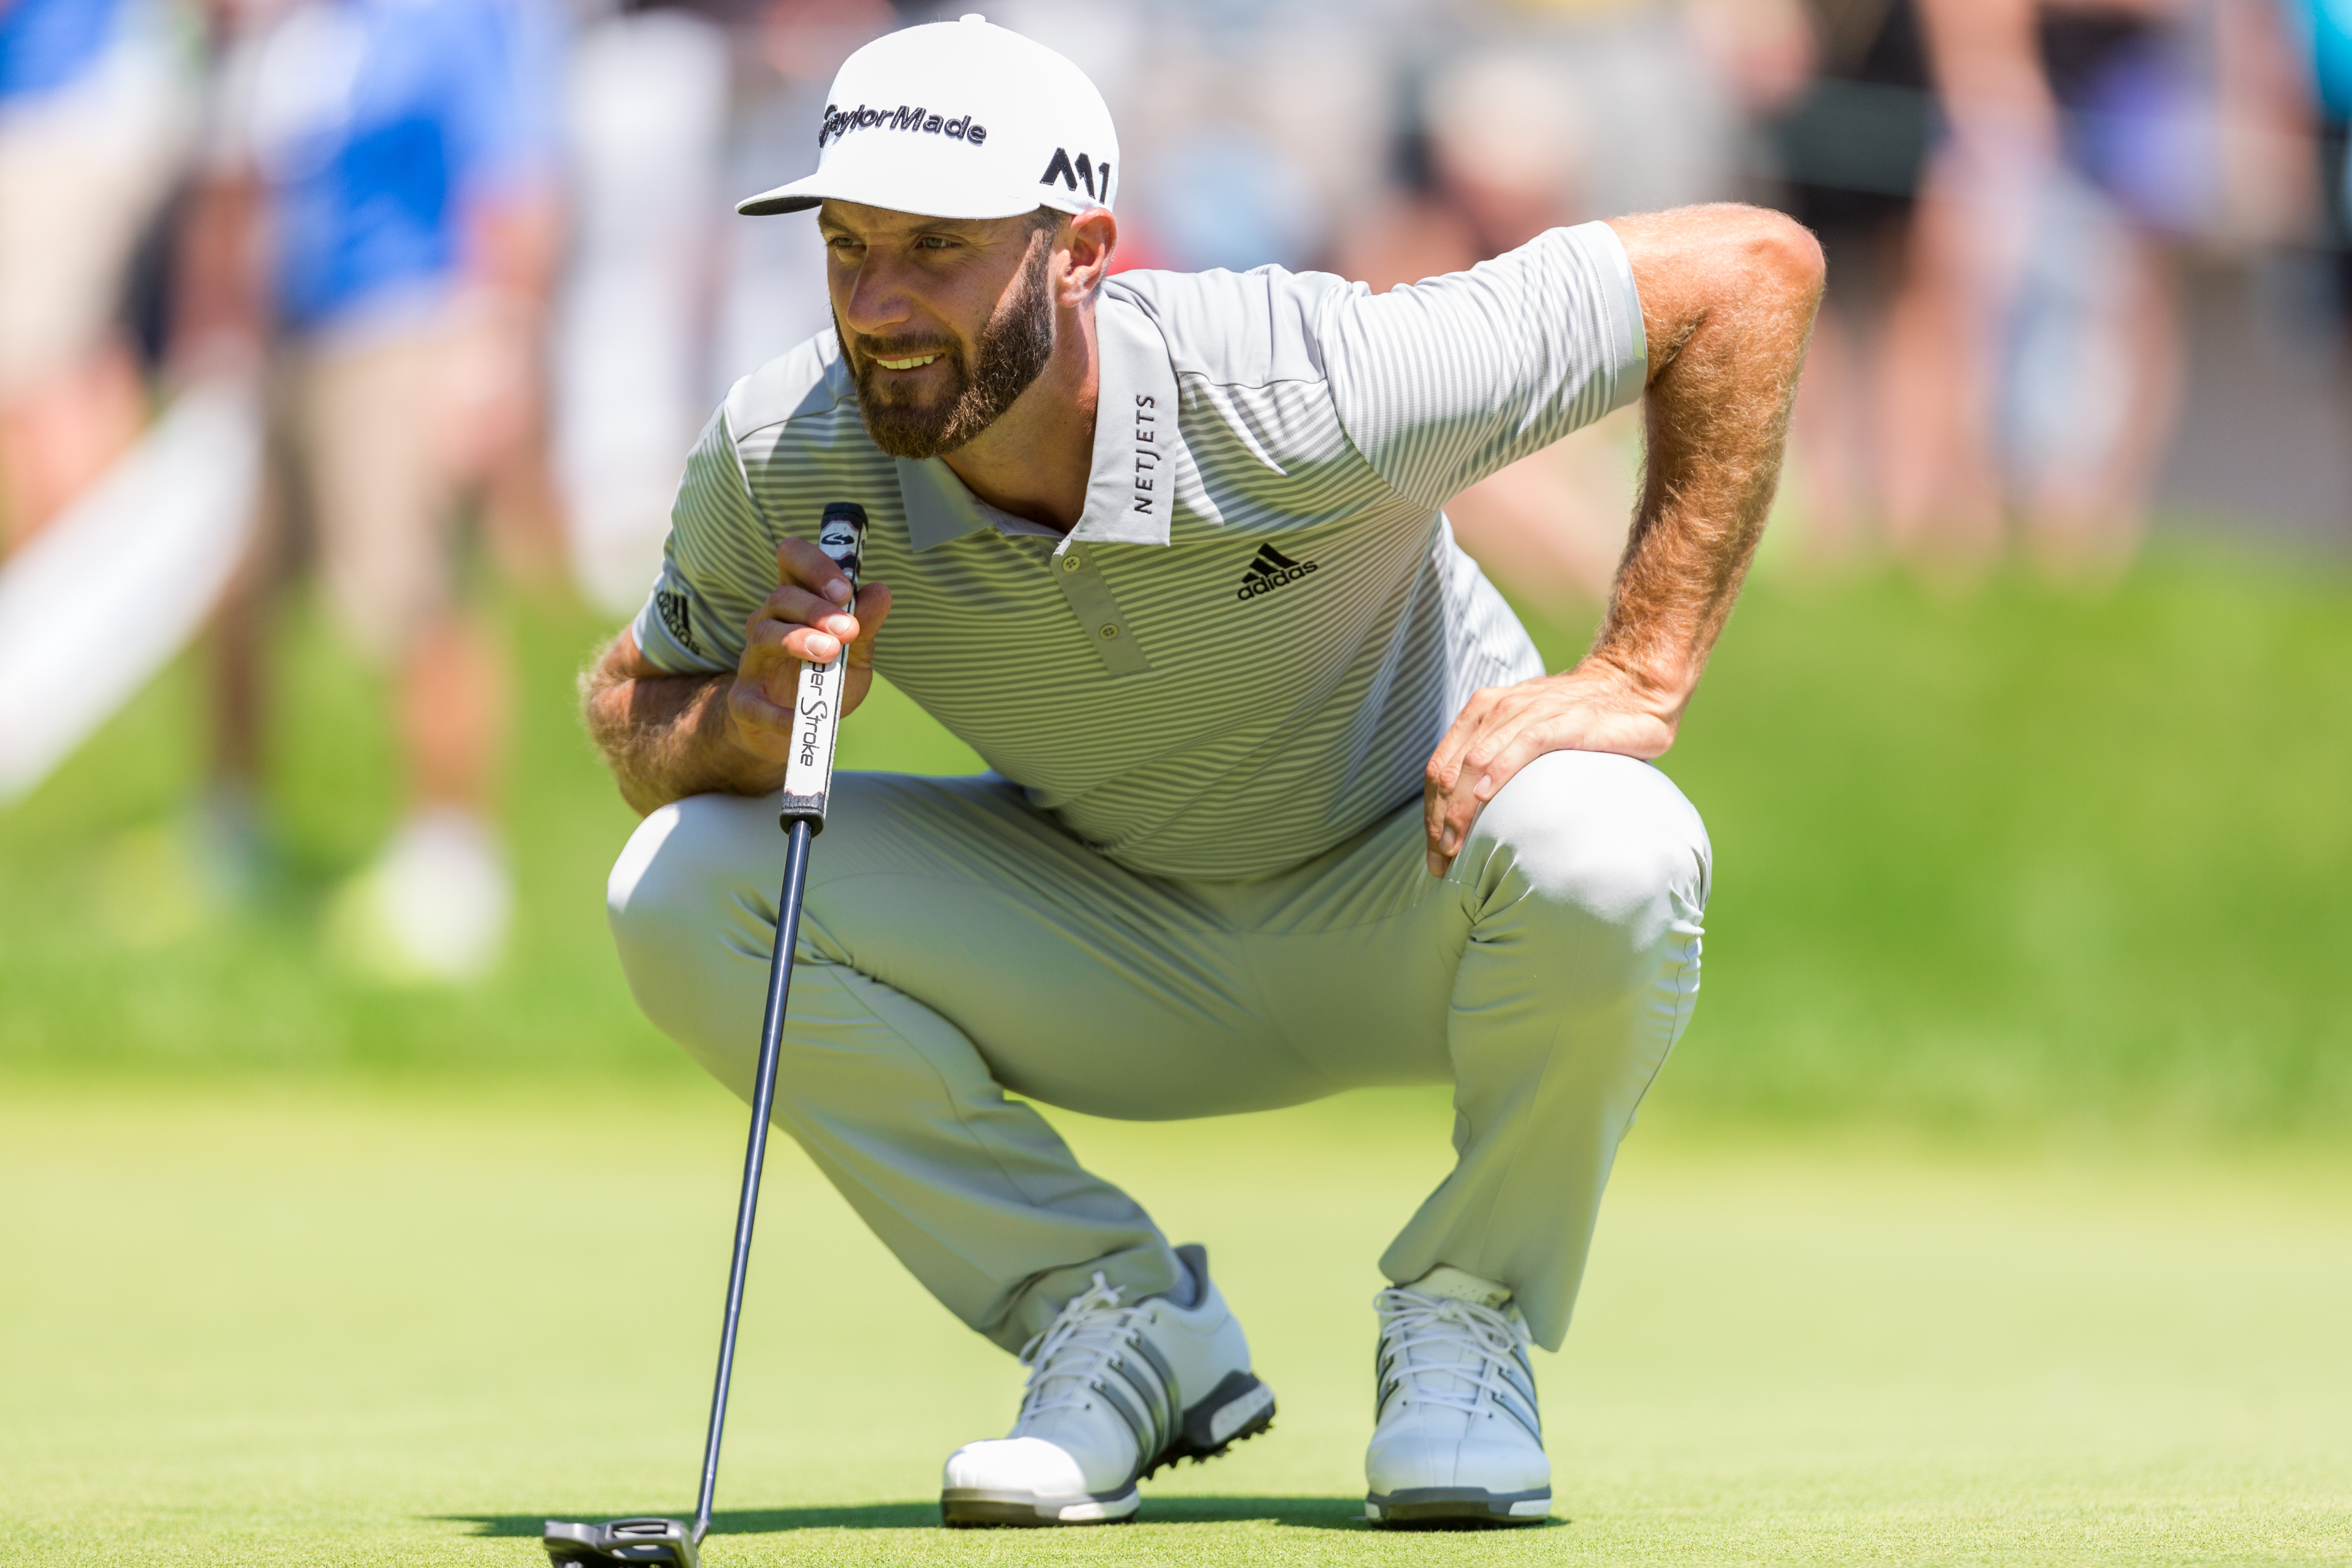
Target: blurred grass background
pixel 2004 862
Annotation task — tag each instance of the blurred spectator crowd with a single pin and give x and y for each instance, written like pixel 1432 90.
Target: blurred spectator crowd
pixel 468 272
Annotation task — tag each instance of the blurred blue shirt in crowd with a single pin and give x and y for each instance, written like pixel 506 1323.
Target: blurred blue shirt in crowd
pixel 2330 22
pixel 378 125
pixel 48 44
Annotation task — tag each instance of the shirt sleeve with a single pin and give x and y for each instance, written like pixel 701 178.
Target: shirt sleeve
pixel 717 567
pixel 1441 382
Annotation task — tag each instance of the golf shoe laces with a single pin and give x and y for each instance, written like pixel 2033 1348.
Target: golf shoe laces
pixel 1452 1353
pixel 1094 1349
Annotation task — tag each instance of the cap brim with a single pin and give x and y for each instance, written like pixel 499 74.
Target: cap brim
pixel 808 192
pixel 782 199
pixel 797 197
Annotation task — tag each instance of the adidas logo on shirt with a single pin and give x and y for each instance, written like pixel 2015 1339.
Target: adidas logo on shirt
pixel 1271 570
pixel 673 611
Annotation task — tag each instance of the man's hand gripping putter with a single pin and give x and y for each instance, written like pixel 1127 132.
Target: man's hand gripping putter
pixel 816 707
pixel 808 777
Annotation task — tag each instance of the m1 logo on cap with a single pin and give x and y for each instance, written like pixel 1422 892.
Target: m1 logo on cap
pixel 839 123
pixel 1084 172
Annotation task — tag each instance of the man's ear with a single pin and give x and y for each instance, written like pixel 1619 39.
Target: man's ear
pixel 1093 235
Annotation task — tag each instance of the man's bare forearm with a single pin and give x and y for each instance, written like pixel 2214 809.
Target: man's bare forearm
pixel 666 736
pixel 1729 317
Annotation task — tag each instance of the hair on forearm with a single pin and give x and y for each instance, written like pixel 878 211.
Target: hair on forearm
pixel 1736 318
pixel 664 736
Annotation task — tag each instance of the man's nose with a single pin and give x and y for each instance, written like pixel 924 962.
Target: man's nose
pixel 876 300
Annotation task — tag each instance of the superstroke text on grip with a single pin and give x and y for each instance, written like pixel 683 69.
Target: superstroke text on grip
pixel 816 703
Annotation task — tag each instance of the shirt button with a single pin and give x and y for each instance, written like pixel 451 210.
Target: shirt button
pixel 1109 632
pixel 1070 564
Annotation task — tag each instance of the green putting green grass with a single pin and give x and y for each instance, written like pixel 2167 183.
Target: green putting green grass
pixel 332 1327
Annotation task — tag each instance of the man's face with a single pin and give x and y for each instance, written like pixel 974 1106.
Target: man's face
pixel 945 323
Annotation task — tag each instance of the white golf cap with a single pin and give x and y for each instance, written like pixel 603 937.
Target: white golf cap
pixel 961 120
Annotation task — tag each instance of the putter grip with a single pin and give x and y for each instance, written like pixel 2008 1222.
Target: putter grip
pixel 808 771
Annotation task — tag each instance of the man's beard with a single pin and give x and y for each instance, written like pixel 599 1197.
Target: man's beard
pixel 1013 351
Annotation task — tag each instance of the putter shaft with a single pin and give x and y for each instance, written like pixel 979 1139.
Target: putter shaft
pixel 807 781
pixel 799 836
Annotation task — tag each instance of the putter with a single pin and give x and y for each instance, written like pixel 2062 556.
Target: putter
pixel 808 775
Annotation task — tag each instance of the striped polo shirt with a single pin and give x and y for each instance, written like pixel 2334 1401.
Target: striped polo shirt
pixel 1245 650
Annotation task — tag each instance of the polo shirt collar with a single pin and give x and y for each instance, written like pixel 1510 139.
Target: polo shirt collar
pixel 1131 486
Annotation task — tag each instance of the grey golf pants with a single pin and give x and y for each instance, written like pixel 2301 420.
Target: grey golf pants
pixel 956 943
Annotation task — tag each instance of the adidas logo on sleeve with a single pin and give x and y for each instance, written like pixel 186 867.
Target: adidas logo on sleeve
pixel 672 608
pixel 1271 570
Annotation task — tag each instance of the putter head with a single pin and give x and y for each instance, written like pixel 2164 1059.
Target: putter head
pixel 664 1540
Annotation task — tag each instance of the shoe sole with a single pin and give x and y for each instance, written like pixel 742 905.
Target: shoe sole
pixel 1442 1506
pixel 1236 1410
pixel 977 1508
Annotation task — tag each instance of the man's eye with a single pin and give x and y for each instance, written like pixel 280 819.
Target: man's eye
pixel 933 242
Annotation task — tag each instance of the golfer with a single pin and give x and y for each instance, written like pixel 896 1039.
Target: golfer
pixel 1282 802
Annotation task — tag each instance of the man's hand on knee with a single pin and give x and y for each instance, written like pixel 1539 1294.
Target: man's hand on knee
pixel 1728 300
pixel 1595 707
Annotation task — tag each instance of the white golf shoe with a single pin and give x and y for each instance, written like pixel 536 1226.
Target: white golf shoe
pixel 1115 1393
pixel 1456 1438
